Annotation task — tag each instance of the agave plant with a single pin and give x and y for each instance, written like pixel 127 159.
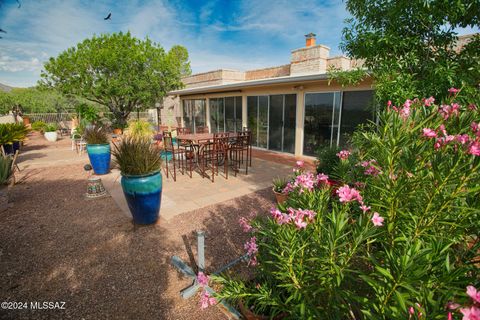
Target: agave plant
pixel 279 184
pixel 95 135
pixel 136 156
pixel 5 169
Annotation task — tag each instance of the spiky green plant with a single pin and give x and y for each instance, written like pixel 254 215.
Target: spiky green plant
pixel 136 156
pixel 51 127
pixel 5 169
pixel 39 126
pixel 279 184
pixel 95 135
pixel 11 132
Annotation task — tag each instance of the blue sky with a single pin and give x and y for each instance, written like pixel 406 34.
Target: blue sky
pixel 240 35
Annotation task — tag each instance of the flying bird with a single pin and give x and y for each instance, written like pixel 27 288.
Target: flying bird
pixel 108 17
pixel 1 30
pixel 19 4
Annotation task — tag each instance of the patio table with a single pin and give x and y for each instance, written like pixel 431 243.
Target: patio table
pixel 197 138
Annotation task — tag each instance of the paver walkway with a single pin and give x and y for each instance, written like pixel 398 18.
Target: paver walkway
pixel 186 194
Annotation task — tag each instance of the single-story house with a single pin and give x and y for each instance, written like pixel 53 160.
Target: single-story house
pixel 290 108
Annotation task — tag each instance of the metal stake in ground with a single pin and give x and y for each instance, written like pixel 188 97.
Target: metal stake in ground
pixel 188 271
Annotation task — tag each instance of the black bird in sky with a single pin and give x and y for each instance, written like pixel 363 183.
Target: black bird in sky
pixel 1 30
pixel 108 17
pixel 19 4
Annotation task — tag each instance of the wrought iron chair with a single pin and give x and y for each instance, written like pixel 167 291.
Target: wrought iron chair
pixel 176 154
pixel 249 151
pixel 237 152
pixel 184 130
pixel 201 130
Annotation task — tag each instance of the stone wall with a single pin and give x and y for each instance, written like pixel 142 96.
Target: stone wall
pixel 265 73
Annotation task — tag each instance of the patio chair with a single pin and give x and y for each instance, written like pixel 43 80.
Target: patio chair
pixel 184 130
pixel 221 141
pixel 207 156
pixel 201 130
pixel 188 149
pixel 172 154
pixel 238 150
pixel 249 151
pixel 63 128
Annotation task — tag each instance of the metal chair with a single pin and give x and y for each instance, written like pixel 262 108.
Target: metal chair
pixel 250 149
pixel 184 130
pixel 201 130
pixel 169 148
pixel 237 150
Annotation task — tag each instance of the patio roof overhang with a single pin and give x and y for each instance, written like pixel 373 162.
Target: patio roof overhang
pixel 237 86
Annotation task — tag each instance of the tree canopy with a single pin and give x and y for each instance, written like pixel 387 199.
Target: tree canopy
pixel 411 46
pixel 118 71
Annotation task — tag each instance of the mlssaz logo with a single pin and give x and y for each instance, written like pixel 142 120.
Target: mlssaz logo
pixel 41 305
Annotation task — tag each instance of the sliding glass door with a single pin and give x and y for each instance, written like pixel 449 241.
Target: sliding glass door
pixel 330 117
pixel 226 114
pixel 272 121
pixel 194 113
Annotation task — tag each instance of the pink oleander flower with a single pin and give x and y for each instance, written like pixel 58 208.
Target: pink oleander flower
pixel 407 103
pixel 462 138
pixel 472 107
pixel 347 194
pixel 405 112
pixel 344 154
pixel 475 127
pixel 202 279
pixel 473 293
pixel 377 219
pixel 251 246
pixel 428 102
pixel 389 103
pixel 300 223
pixel 442 129
pixel 429 133
pixel 445 111
pixel 322 178
pixel 474 148
pixel 472 313
pixel 365 208
pixel 300 163
pixel 411 310
pixel 206 300
pixel 245 224
pixel 453 90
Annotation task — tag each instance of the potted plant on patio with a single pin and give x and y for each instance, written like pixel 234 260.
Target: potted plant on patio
pixel 51 132
pixel 117 128
pixel 278 185
pixel 140 163
pixel 98 149
pixel 11 136
pixel 5 180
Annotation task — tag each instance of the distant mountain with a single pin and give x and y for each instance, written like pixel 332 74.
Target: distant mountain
pixel 5 88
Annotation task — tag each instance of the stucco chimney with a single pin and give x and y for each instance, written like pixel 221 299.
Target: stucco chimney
pixel 310 39
pixel 310 59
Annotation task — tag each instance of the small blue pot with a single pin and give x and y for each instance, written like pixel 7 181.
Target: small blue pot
pixel 99 155
pixel 144 196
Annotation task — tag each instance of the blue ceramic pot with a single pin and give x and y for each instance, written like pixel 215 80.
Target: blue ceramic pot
pixel 99 155
pixel 144 196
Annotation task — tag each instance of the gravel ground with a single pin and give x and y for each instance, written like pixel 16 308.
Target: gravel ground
pixel 57 246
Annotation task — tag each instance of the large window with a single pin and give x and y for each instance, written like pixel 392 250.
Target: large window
pixel 330 117
pixel 272 121
pixel 194 114
pixel 226 114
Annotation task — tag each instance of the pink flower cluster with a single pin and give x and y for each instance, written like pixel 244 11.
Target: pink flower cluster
pixel 344 154
pixel 205 298
pixel 442 138
pixel 446 111
pixel 372 168
pixel 305 182
pixel 252 249
pixel 245 224
pixel 428 102
pixel 347 194
pixel 300 217
pixel 471 312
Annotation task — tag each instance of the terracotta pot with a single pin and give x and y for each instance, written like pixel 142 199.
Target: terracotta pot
pixel 26 120
pixel 249 315
pixel 281 198
pixel 117 131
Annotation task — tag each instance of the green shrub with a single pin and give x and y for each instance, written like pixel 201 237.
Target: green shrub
pixel 140 129
pixel 39 126
pixel 327 159
pixel 396 238
pixel 135 156
pixel 51 127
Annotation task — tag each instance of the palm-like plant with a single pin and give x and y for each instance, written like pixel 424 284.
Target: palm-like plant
pixel 140 129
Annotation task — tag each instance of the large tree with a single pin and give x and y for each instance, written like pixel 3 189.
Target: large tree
pixel 410 46
pixel 118 71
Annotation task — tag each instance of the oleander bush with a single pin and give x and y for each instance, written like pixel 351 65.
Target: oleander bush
pixel 395 236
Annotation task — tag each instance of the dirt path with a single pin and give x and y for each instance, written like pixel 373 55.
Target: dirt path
pixel 57 246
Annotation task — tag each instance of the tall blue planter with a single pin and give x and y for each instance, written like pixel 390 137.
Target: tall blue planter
pixel 144 196
pixel 99 155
